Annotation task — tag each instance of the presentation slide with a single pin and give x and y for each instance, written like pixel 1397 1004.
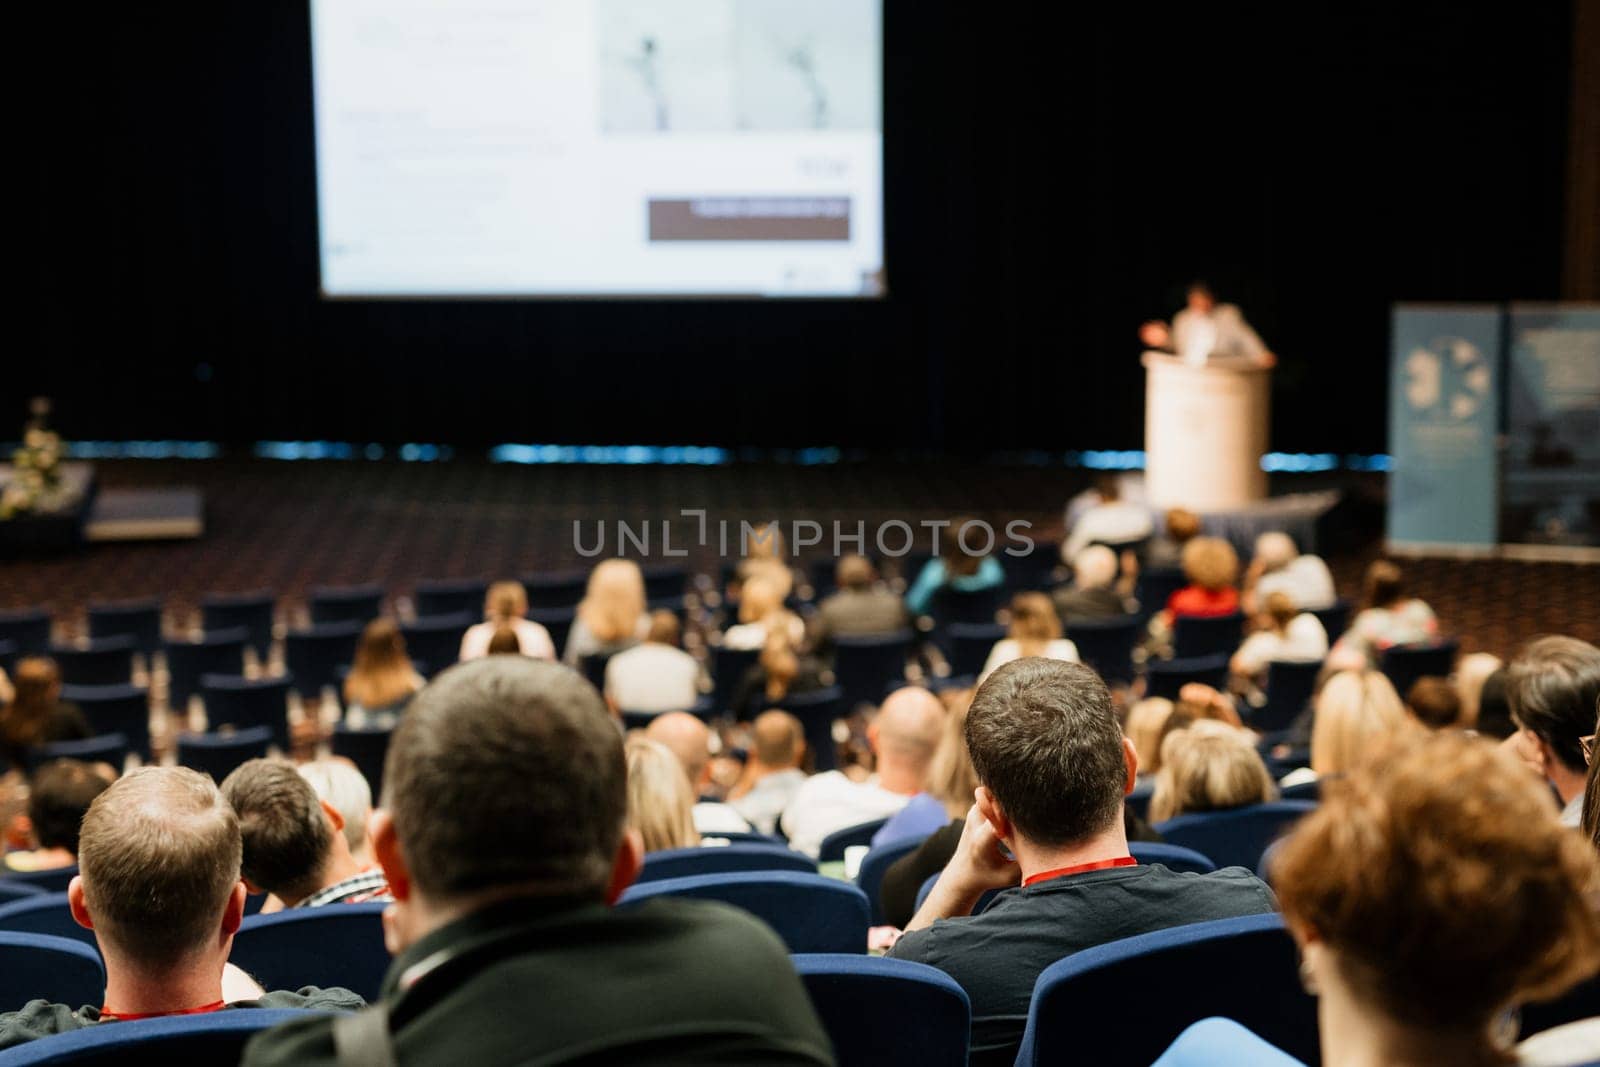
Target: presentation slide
pixel 552 148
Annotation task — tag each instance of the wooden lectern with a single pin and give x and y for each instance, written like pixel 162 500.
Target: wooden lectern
pixel 1205 430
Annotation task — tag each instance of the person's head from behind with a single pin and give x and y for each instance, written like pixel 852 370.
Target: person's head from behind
pixel 1094 568
pixel 341 786
pixel 505 602
pixel 1034 623
pixel 686 737
pixel 660 798
pixel 777 740
pixel 1553 686
pixel 1494 707
pixel 1354 711
pixel 1434 703
pixel 613 600
pixel 505 778
pixel 1279 610
pixel 904 736
pixel 1199 298
pixel 1275 550
pixel 158 882
pixel 1384 585
pixel 1051 759
pixel 951 779
pixel 1145 727
pixel 1209 767
pixel 664 628
pixel 288 831
pixel 382 674
pixel 1183 525
pixel 1471 674
pixel 36 685
pixel 1210 563
pixel 855 572
pixel 1108 487
pixel 965 545
pixel 505 642
pixel 58 797
pixel 780 662
pixel 1433 888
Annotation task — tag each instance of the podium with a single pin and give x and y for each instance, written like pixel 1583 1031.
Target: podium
pixel 1205 430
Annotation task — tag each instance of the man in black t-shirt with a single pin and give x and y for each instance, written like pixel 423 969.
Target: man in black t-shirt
pixel 502 835
pixel 1054 769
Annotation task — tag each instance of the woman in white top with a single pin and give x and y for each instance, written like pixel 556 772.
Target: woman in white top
pixel 1390 618
pixel 1035 631
pixel 504 606
pixel 761 610
pixel 1287 634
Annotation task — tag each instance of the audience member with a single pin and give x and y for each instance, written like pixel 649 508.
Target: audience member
pixel 1054 769
pixel 772 774
pixel 1389 617
pixel 37 715
pixel 1209 766
pixel 1092 594
pixel 504 642
pixel 1285 633
pixel 765 556
pixel 611 617
pixel 58 797
pixel 1434 703
pixel 660 801
pixel 903 736
pixel 1035 630
pixel 338 783
pixel 382 680
pixel 159 886
pixel 761 612
pixel 1554 686
pixel 1146 727
pixel 1472 672
pixel 963 565
pixel 503 830
pixel 1494 707
pixel 861 607
pixel 505 607
pixel 294 844
pixel 1280 567
pixel 689 739
pixel 1166 548
pixel 782 670
pixel 656 675
pixel 947 794
pixel 1211 566
pixel 1353 711
pixel 1430 893
pixel 1111 521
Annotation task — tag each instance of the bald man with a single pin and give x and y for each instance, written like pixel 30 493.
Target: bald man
pixel 690 740
pixel 772 774
pixel 903 738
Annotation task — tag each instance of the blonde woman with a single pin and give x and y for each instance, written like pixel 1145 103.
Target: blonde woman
pixel 611 616
pixel 660 799
pixel 1035 630
pixel 504 608
pixel 1354 711
pixel 761 611
pixel 1145 727
pixel 382 680
pixel 948 790
pixel 1209 766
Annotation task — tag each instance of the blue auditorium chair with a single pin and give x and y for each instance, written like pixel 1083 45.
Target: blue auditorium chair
pixel 869 876
pixel 1034 570
pixel 557 622
pixel 216 652
pixel 10 892
pixel 834 845
pixel 453 596
pixel 53 880
pixel 593 667
pixel 1125 1002
pixel 1311 790
pixel 138 619
pixel 44 913
pixel 1290 685
pixel 665 582
pixel 556 590
pixel 1138 801
pixel 864 665
pixel 1165 677
pixel 728 668
pixel 1172 857
pixel 1155 587
pixel 1107 645
pixel 809 912
pixel 967 646
pixel 253 611
pixel 103 748
pixel 115 709
pixel 108 661
pixel 340 945
pixel 314 656
pixel 436 639
pixel 28 629
pixel 1218 1042
pixel 951 605
pixel 366 747
pixel 690 862
pixel 817 711
pixel 881 1011
pixel 1235 837
pixel 214 1038
pixel 1404 664
pixel 1207 635
pixel 35 967
pixel 218 754
pixel 345 603
pixel 1335 619
pixel 232 700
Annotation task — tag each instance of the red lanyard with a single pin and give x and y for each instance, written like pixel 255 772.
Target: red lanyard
pixel 107 1015
pixel 1062 872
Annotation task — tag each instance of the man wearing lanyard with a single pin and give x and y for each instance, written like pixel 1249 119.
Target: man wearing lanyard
pixel 1053 769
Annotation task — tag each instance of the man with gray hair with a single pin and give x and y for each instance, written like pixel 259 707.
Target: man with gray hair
pixel 1279 567
pixel 1092 594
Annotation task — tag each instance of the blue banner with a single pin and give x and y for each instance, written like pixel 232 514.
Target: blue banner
pixel 1444 393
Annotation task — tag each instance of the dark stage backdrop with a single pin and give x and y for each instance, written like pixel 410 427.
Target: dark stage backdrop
pixel 1051 182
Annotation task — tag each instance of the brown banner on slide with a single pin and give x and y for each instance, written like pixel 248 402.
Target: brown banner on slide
pixel 751 218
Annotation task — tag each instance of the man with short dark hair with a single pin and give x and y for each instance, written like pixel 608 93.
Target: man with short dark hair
pixel 159 886
pixel 59 794
pixel 294 843
pixel 1553 688
pixel 502 831
pixel 1054 768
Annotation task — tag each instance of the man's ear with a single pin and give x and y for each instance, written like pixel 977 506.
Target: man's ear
pixel 80 912
pixel 233 914
pixel 1130 757
pixel 386 850
pixel 333 816
pixel 625 868
pixel 989 807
